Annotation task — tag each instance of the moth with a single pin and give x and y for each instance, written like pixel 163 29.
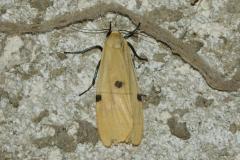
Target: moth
pixel 119 106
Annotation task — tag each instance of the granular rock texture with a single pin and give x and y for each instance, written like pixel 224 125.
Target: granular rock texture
pixel 191 82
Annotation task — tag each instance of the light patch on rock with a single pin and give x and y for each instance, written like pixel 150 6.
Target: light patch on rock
pixel 55 155
pixel 13 44
pixel 164 116
pixel 185 68
pixel 238 137
pixel 237 157
pixel 45 131
pixel 10 55
pixel 73 129
pixel 2 117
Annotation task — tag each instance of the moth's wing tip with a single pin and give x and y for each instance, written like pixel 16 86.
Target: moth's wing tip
pixel 137 142
pixel 106 143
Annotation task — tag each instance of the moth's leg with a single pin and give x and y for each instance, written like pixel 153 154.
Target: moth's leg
pixel 96 70
pixel 132 32
pixel 85 50
pixel 94 79
pixel 135 53
pixel 110 29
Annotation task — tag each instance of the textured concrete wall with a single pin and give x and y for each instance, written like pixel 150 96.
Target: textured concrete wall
pixel 42 116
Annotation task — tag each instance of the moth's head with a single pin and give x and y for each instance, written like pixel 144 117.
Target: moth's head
pixel 118 32
pixel 115 39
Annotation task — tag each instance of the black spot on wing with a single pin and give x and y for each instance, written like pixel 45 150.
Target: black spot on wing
pixel 118 84
pixel 98 98
pixel 140 97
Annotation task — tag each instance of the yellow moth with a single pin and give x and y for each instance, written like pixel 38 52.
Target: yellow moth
pixel 119 107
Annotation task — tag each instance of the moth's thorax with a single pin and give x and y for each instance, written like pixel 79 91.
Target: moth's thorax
pixel 115 40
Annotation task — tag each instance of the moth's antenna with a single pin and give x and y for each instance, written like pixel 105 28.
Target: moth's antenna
pixel 132 32
pixel 110 29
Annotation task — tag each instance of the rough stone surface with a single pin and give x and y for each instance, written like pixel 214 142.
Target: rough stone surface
pixel 42 116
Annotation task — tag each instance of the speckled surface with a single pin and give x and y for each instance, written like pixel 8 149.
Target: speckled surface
pixel 42 116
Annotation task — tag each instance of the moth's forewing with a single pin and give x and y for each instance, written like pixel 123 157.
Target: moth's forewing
pixel 119 110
